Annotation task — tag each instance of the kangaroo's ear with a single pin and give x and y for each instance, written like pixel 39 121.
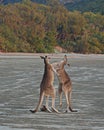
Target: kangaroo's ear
pixel 45 56
pixel 65 56
pixel 42 57
pixel 68 64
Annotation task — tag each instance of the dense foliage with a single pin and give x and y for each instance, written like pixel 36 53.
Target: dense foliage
pixel 31 27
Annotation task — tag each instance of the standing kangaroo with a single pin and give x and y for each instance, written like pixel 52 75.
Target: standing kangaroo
pixel 46 87
pixel 65 84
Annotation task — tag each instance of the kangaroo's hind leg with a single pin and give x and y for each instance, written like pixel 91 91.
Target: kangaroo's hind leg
pixel 60 94
pixel 53 102
pixel 53 106
pixel 47 99
pixel 45 107
pixel 69 100
pixel 39 104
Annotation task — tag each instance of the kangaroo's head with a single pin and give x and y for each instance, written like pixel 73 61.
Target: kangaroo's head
pixel 60 65
pixel 64 62
pixel 46 59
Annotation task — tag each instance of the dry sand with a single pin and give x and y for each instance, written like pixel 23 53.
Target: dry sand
pixel 20 77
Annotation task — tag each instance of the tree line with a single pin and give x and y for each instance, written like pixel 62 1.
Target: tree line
pixel 31 27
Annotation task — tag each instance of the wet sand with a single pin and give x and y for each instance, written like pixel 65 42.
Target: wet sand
pixel 20 77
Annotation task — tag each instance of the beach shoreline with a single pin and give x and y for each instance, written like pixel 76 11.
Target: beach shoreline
pixel 52 55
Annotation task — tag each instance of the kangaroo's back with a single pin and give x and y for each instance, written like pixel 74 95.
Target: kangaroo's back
pixel 65 84
pixel 48 76
pixel 61 72
pixel 46 87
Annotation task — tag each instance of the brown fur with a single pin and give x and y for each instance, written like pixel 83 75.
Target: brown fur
pixel 46 87
pixel 65 84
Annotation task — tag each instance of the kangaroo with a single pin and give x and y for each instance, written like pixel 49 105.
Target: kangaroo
pixel 65 84
pixel 46 87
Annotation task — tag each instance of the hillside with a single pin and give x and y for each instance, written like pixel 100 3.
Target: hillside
pixel 31 27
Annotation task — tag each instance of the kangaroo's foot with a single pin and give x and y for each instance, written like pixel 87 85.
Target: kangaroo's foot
pixel 72 110
pixel 48 110
pixel 55 110
pixel 44 108
pixel 33 111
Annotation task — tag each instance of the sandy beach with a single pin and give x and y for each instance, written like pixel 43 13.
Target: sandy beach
pixel 20 77
pixel 52 55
